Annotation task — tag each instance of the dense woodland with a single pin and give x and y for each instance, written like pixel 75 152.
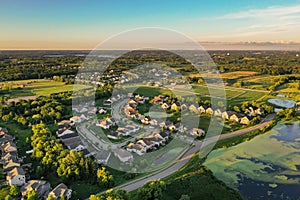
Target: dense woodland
pixel 20 65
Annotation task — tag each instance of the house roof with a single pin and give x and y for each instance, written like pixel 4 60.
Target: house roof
pixel 230 113
pixel 75 144
pixel 40 186
pixel 3 130
pixel 15 172
pixel 7 145
pixel 164 134
pixel 9 155
pixel 11 163
pixel 68 136
pixel 85 152
pixel 135 146
pixel 64 122
pixel 102 155
pixel 114 134
pixel 6 138
pixel 74 118
pixel 123 153
pixel 59 190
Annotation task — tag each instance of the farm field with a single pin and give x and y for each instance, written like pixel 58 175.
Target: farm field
pixel 39 87
pixel 234 96
pixel 227 75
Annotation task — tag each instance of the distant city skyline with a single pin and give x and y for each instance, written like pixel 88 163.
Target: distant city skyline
pixel 32 24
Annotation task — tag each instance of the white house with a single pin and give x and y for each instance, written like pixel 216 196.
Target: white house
pixel 102 156
pixel 197 132
pixel 123 155
pixel 137 148
pixel 64 132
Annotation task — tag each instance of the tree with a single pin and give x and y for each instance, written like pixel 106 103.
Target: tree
pixel 112 195
pixel 32 195
pixel 185 197
pixel 50 197
pixel 152 190
pixel 8 197
pixel 104 177
pixel 236 109
pixel 14 191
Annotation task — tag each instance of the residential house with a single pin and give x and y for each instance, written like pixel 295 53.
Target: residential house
pixel 63 132
pixel 139 99
pixel 75 119
pixel 129 110
pixel 65 124
pixel 131 128
pixel 259 111
pixel 41 187
pixel 153 122
pixel 102 156
pixel 9 156
pixel 172 127
pixel 158 141
pixel 145 120
pixel 218 112
pixel 245 120
pixel 86 153
pixel 73 143
pixel 107 102
pixel 16 176
pixel 193 108
pixel 175 106
pixel 164 135
pixel 183 107
pixel 9 147
pixel 137 148
pixel 158 99
pixel 132 103
pixel 209 111
pixel 60 192
pixel 6 138
pixel 3 131
pixel 10 164
pixel 123 155
pixel 78 119
pixel 234 116
pixel 113 135
pixel 165 106
pixel 197 132
pixel 202 109
pixel 106 123
pixel 102 111
pixel 225 115
pixel 80 110
pixel 146 144
pixel 123 131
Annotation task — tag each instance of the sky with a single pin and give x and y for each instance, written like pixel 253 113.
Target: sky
pixel 78 24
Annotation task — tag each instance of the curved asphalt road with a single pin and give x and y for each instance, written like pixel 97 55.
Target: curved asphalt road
pixel 135 184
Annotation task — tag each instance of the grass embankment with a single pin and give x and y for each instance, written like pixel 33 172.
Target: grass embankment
pixel 197 181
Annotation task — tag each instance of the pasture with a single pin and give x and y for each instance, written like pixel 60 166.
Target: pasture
pixel 38 87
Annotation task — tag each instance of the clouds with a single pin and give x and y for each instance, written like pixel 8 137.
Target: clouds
pixel 273 23
pixel 269 12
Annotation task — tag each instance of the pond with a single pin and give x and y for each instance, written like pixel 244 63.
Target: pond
pixel 282 103
pixel 266 167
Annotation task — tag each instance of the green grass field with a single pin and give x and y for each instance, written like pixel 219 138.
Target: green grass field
pixel 40 87
pixel 234 96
